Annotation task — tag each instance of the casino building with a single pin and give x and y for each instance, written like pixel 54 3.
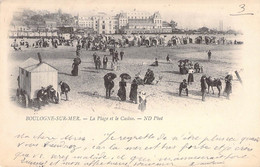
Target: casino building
pixel 129 22
pixel 100 23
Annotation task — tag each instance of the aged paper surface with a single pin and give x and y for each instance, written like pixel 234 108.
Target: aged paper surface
pixel 90 130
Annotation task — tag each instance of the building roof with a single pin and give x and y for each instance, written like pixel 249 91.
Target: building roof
pixel 157 15
pixel 140 21
pixel 166 24
pixel 122 15
pixel 33 65
pixel 141 24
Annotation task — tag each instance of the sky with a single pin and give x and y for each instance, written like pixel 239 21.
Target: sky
pixel 188 14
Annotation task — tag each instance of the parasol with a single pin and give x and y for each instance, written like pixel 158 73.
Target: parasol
pixel 110 76
pixel 125 76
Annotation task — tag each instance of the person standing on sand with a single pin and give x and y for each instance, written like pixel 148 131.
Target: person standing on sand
pixel 94 57
pixel 142 101
pixel 64 89
pixel 121 55
pixel 116 56
pixel 203 86
pixel 109 85
pixel 209 55
pixel 190 76
pixel 105 60
pixel 133 91
pixel 228 87
pixel 75 66
pixel 98 63
pixel 122 91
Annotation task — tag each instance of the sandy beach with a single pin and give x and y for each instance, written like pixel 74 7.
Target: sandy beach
pixel 87 93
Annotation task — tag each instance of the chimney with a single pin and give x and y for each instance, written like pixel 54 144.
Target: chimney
pixel 40 58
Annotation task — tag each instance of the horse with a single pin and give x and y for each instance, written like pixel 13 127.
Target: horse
pixel 216 82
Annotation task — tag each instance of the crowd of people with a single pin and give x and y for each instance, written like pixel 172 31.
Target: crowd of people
pixel 186 66
pixel 205 82
pixel 135 96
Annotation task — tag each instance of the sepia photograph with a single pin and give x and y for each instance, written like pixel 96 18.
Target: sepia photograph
pixel 130 83
pixel 125 60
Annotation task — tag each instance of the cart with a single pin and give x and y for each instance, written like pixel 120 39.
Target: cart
pixel 33 75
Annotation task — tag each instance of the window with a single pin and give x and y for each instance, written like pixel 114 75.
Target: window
pixel 103 27
pixel 27 73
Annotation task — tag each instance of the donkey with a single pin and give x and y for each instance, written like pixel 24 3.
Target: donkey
pixel 216 82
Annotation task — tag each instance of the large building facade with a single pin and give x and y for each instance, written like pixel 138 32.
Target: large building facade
pixel 101 23
pixel 130 22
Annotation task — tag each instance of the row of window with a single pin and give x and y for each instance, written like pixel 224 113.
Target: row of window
pixel 158 21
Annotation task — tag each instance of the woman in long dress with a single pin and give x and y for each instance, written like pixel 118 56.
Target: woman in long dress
pixel 75 66
pixel 190 76
pixel 133 91
pixel 122 91
pixel 228 88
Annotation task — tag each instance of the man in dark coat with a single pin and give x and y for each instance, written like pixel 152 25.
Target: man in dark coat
pixel 98 63
pixel 64 89
pixel 121 55
pixel 209 55
pixel 203 85
pixel 116 56
pixel 95 57
pixel 109 85
pixel 183 86
pixel 149 77
pixel 41 97
pixel 105 60
pixel 133 91
pixel 122 91
pixel 51 94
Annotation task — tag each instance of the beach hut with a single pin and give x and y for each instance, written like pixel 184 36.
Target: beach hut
pixel 33 75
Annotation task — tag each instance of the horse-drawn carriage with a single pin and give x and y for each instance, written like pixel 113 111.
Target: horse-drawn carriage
pixel 33 76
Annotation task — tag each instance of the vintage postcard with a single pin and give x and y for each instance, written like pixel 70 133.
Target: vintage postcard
pixel 130 83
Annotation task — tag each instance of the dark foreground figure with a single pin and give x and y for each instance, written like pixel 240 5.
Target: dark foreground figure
pixel 149 77
pixel 183 86
pixel 42 98
pixel 133 91
pixel 64 89
pixel 122 91
pixel 203 85
pixel 75 66
pixel 228 88
pixel 109 85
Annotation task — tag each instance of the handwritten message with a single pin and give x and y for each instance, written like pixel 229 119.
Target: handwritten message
pixel 114 149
